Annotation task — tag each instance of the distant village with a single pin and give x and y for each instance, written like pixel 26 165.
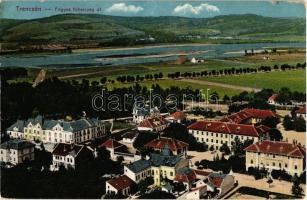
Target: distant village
pixel 165 162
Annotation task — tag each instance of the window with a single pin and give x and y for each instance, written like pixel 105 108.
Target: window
pixel 279 165
pixel 212 140
pixel 273 164
pixel 217 141
pixel 252 161
pixel 171 173
pixel 207 140
pixel 286 165
pixel 295 166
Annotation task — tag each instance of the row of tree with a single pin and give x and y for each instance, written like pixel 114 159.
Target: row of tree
pixel 234 71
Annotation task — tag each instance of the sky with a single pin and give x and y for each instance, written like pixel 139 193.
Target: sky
pixel 198 9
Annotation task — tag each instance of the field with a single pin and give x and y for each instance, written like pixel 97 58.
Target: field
pixel 294 80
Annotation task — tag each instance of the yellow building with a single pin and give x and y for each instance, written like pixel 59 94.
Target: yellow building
pixel 159 166
pixel 273 155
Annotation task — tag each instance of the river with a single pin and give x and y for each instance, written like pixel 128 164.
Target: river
pixel 124 56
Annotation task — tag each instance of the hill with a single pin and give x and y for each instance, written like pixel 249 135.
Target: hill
pixel 102 30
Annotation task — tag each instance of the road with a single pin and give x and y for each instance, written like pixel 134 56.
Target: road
pixel 236 87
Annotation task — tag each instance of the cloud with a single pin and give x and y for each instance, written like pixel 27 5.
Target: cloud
pixel 196 10
pixel 122 7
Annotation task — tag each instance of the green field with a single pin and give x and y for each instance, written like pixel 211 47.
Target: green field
pixel 181 84
pixel 294 80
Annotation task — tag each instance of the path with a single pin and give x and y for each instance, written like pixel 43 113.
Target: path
pixel 236 87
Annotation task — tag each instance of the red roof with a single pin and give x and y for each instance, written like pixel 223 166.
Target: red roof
pixel 301 110
pixel 248 113
pixel 273 97
pixel 111 143
pixel 173 144
pixel 178 115
pixel 153 122
pixel 187 178
pixel 63 149
pixel 279 148
pixel 202 173
pixel 230 128
pixel 121 182
pixel 216 181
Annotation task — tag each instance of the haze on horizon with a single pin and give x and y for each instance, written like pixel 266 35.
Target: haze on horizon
pixel 192 9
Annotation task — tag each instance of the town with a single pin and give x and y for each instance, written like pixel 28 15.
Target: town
pixel 172 155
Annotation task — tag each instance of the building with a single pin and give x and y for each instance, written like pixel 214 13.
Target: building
pixel 197 60
pixel 138 170
pixel 222 183
pixel 141 113
pixel 272 99
pixel 250 116
pixel 70 156
pixel 176 147
pixel 217 133
pixel 158 166
pixel 273 155
pixel 57 131
pixel 119 150
pixel 177 117
pixel 130 137
pixel 122 184
pixel 153 124
pixel 301 112
pixel 16 151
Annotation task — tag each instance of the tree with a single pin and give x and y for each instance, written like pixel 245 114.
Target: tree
pixel 270 122
pixel 225 149
pixel 299 124
pixel 178 187
pixel 275 134
pixel 297 190
pixel 287 123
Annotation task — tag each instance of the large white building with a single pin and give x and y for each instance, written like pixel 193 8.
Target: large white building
pixel 57 131
pixel 16 151
pixel 217 133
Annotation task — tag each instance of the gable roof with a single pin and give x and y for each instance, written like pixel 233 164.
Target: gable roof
pixel 71 126
pixel 301 110
pixel 63 149
pixel 186 175
pixel 19 124
pixel 178 115
pixel 16 144
pixel 121 182
pixel 111 143
pixel 229 128
pixel 164 160
pixel 153 122
pixel 278 148
pixel 139 165
pixel 248 113
pixel 173 144
pixel 273 97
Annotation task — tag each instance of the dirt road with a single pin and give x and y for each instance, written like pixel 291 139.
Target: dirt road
pixel 236 87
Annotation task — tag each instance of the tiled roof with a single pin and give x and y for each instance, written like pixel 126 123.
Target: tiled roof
pixel 248 113
pixel 16 144
pixel 153 122
pixel 111 143
pixel 71 126
pixel 163 160
pixel 201 173
pixel 216 179
pixel 121 182
pixel 173 144
pixel 139 165
pixel 279 148
pixel 273 97
pixel 19 124
pixel 230 128
pixel 301 110
pixel 178 115
pixel 186 175
pixel 63 149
